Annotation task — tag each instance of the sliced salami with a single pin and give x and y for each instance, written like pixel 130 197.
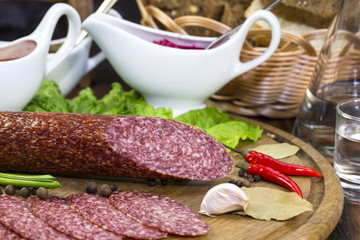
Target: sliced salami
pixel 57 213
pixel 7 234
pixel 15 215
pixel 99 211
pixel 104 145
pixel 159 212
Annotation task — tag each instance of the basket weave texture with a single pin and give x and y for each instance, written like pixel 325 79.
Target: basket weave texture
pixel 275 88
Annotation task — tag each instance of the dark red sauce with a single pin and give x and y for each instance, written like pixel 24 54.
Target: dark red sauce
pixel 17 50
pixel 168 43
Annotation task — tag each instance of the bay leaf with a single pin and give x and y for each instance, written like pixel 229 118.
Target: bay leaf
pixel 268 203
pixel 277 150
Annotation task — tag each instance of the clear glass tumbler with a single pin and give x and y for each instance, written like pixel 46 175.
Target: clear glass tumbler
pixel 347 146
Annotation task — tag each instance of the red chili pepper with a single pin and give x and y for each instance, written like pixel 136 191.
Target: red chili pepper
pixel 286 168
pixel 274 176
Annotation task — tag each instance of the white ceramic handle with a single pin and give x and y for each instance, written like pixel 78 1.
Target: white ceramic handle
pixel 100 56
pixel 241 36
pixel 94 61
pixel 45 30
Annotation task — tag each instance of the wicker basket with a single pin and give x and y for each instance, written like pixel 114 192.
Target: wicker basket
pixel 275 88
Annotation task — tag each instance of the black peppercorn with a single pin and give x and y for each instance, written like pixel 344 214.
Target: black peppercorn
pixel 10 190
pixel 25 192
pixel 151 182
pixel 105 190
pixel 241 172
pixel 42 193
pixel 257 178
pixel 91 187
pixel 239 183
pixel 232 181
pixel 114 188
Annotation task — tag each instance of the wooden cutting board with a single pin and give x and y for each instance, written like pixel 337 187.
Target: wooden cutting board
pixel 325 194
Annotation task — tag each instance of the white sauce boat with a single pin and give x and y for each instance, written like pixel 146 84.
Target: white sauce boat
pixel 171 77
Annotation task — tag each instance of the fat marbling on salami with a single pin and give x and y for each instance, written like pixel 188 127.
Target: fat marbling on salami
pixel 159 212
pixel 56 212
pixel 104 145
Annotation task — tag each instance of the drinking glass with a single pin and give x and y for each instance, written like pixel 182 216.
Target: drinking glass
pixel 336 77
pixel 347 146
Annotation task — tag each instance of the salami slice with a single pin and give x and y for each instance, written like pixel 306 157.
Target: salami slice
pixel 159 212
pixel 103 145
pixel 6 233
pixel 99 211
pixel 15 215
pixel 57 213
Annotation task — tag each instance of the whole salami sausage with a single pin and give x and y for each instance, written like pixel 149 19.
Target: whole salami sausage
pixel 104 145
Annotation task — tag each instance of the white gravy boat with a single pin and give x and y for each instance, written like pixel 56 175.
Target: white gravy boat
pixel 21 76
pixel 171 77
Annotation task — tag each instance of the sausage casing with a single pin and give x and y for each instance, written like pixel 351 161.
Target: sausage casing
pixel 107 145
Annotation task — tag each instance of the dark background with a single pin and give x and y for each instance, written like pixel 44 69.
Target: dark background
pixel 20 18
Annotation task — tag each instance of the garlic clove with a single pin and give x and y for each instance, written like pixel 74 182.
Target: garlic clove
pixel 223 198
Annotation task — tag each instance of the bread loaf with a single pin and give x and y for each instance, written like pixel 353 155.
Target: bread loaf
pixel 286 25
pixel 315 13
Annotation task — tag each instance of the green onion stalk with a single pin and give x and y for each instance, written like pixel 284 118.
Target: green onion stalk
pixel 34 181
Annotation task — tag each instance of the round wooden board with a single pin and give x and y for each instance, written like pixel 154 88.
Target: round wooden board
pixel 325 194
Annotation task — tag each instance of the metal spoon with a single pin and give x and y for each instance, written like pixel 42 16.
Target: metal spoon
pixel 103 8
pixel 232 31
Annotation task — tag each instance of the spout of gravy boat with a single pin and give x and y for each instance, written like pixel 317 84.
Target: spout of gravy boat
pixel 170 77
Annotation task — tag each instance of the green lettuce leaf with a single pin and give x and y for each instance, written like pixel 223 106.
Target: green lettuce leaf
pixel 220 126
pixel 48 99
pixel 231 132
pixel 115 102
pixel 203 118
pixel 141 108
pixel 84 102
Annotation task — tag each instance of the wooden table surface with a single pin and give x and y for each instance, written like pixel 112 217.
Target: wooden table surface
pixel 349 223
